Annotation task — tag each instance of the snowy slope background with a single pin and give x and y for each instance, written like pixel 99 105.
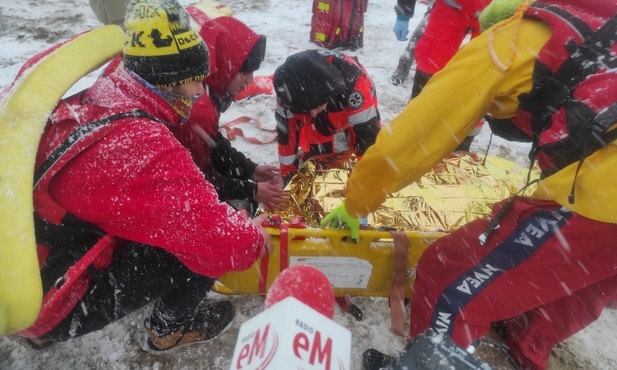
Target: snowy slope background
pixel 30 26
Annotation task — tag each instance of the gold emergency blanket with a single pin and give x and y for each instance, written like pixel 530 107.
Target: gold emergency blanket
pixel 459 189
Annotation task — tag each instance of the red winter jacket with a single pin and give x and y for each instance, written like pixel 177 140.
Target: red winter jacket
pixel 135 181
pixel 229 42
pixel 448 25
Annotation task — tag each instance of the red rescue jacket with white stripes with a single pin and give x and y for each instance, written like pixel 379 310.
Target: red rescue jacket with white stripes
pixel 355 112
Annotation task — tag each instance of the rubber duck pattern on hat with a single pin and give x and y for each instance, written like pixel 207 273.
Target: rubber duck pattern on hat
pixel 160 46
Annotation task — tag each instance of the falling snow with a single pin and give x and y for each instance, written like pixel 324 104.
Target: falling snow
pixel 32 26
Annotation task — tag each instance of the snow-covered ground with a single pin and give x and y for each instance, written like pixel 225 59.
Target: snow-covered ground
pixel 29 26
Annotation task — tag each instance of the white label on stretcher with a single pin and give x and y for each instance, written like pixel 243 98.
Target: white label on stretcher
pixel 343 272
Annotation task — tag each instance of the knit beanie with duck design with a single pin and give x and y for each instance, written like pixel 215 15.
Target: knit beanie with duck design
pixel 160 46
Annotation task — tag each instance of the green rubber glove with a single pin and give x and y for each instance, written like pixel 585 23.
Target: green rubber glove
pixel 339 218
pixel 497 11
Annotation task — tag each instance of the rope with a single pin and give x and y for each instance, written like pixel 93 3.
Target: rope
pixel 517 17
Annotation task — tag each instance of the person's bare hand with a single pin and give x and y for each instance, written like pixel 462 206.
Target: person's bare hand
pixel 265 172
pixel 277 180
pixel 272 196
pixel 268 247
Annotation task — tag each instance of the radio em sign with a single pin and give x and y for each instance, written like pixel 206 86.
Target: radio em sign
pixel 291 335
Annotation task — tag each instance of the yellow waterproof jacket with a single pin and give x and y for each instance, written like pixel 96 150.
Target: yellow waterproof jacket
pixel 450 105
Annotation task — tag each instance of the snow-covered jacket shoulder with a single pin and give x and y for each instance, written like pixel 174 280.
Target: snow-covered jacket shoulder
pixel 139 184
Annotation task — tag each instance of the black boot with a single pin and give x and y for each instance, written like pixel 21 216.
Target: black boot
pixel 372 359
pixel 402 71
pixel 208 321
pixel 38 343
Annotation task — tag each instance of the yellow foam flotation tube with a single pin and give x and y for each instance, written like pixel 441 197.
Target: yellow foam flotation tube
pixel 23 114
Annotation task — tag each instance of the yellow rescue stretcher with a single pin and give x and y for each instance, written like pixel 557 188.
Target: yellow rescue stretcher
pixel 461 188
pixel 362 269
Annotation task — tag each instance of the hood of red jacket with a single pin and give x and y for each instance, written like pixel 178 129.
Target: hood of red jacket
pixel 229 42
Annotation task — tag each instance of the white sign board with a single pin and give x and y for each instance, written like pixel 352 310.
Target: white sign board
pixel 343 272
pixel 291 335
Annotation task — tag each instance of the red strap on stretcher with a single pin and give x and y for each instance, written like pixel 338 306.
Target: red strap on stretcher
pixel 232 132
pixel 263 273
pixel 397 289
pixel 284 258
pixel 284 247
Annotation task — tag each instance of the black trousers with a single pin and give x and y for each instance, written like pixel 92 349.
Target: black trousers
pixel 419 80
pixel 138 275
